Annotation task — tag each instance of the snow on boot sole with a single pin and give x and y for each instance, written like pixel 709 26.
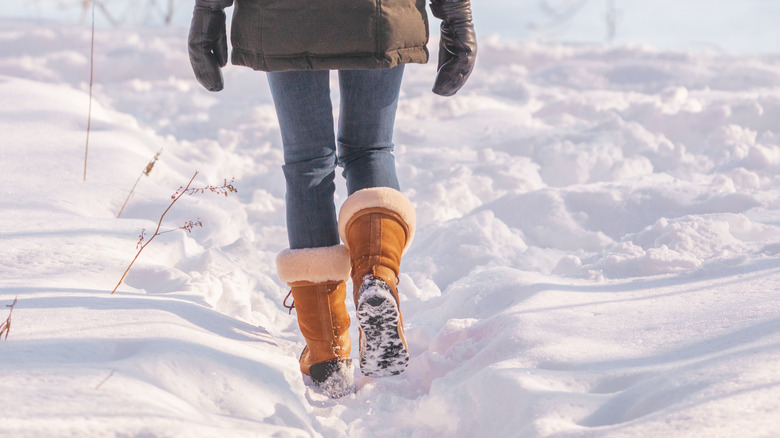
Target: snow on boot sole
pixel 334 377
pixel 382 352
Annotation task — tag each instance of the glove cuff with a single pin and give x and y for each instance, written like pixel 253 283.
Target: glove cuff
pixel 446 9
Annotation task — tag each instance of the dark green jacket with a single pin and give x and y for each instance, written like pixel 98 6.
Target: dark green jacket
pixel 279 35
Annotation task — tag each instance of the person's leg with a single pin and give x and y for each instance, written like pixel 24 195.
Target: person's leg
pixel 305 113
pixel 376 221
pixel 369 99
pixel 316 266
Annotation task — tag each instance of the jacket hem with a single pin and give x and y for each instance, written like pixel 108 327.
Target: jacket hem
pixel 306 61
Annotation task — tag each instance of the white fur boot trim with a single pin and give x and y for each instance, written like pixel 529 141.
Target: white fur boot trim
pixel 317 265
pixel 378 197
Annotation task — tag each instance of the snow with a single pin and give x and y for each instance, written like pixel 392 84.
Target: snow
pixel 596 255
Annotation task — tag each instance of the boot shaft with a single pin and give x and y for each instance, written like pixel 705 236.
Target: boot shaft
pixel 377 226
pixel 376 238
pixel 323 320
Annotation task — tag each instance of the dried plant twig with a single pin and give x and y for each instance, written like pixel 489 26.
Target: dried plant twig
pixel 103 9
pixel 175 198
pixel 5 328
pixel 104 380
pixel 559 15
pixel 146 172
pixel 91 77
pixel 188 226
pixel 225 189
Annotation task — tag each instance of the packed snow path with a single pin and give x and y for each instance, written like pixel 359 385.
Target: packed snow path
pixel 597 251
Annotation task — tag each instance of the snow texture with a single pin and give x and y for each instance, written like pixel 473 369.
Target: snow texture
pixel 596 254
pixel 340 382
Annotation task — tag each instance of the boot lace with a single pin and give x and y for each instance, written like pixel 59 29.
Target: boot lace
pixel 291 306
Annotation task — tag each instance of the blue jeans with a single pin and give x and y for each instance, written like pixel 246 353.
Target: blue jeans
pixel 369 99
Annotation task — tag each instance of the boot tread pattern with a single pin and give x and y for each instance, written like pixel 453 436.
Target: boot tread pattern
pixel 382 352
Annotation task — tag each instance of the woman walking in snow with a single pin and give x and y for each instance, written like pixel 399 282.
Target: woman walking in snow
pixel 368 42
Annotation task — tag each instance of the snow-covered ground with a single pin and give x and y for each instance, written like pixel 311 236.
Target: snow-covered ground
pixel 597 253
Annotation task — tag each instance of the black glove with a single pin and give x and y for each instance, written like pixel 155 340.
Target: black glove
pixel 458 45
pixel 208 42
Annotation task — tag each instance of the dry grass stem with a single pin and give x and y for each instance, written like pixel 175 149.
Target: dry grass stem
pixel 5 328
pixel 225 189
pixel 188 226
pixel 146 172
pixel 104 380
pixel 91 77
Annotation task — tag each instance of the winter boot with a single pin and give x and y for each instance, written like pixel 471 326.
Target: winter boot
pixel 317 279
pixel 377 225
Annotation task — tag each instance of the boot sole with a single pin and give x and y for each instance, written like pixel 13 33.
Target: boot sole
pixel 335 377
pixel 382 351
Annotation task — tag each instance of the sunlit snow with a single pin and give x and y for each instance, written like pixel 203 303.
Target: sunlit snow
pixel 597 252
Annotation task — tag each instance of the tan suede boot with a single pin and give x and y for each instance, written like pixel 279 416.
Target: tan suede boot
pixel 317 281
pixel 377 225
